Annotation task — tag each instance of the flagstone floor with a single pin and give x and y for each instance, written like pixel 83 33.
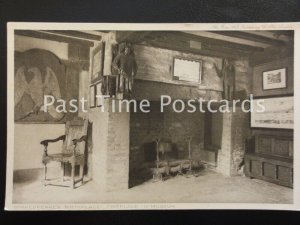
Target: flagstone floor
pixel 208 187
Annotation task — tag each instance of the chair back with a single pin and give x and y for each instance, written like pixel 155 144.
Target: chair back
pixel 75 129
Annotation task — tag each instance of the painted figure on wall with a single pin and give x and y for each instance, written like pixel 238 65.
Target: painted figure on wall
pixel 227 73
pixel 30 91
pixel 125 66
pixel 38 73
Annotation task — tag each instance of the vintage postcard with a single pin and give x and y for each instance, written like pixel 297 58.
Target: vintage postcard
pixel 152 116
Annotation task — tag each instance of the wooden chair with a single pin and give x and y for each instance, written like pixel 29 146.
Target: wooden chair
pixel 73 150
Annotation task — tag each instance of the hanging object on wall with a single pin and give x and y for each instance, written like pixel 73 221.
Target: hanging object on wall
pixel 189 70
pixel 274 79
pixel 97 63
pixel 278 113
pixel 227 73
pixel 40 73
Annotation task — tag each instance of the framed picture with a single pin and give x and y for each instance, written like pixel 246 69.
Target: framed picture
pixel 278 113
pixel 187 70
pixel 92 96
pixel 99 92
pixel 97 62
pixel 274 79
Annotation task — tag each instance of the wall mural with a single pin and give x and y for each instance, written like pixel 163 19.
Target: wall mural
pixel 37 73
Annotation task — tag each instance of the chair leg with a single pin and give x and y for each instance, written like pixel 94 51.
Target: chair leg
pixel 45 174
pixel 62 171
pixel 73 175
pixel 81 173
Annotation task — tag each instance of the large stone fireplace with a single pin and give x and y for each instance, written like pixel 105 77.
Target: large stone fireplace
pixel 124 142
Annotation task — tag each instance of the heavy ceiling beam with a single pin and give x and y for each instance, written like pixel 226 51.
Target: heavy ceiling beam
pixel 218 42
pixel 77 34
pixel 54 37
pixel 134 37
pixel 179 42
pixel 269 34
pixel 214 36
pixel 102 31
pixel 251 37
pixel 204 52
pixel 271 54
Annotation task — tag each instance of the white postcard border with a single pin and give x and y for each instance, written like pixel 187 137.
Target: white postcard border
pixel 11 26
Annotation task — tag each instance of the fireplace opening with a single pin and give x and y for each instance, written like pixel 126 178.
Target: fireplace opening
pixel 167 150
pixel 173 131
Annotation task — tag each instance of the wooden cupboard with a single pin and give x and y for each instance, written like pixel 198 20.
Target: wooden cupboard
pixel 270 158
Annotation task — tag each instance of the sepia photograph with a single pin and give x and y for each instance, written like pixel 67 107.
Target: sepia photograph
pixel 104 117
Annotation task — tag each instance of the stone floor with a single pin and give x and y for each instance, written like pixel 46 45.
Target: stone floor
pixel 209 187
